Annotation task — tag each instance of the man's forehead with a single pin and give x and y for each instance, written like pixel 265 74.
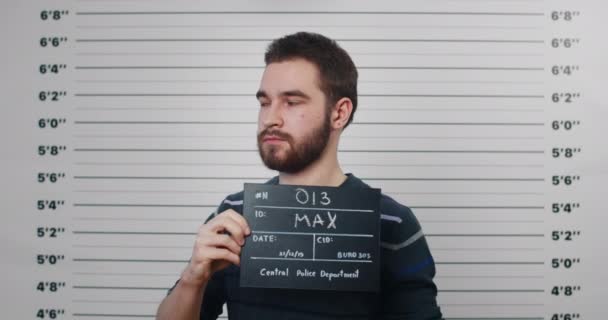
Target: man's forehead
pixel 294 77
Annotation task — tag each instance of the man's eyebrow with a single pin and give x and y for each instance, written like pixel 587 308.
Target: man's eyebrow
pixel 289 93
pixel 261 94
pixel 295 93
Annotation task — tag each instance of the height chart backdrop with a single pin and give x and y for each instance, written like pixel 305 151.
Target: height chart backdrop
pixel 125 123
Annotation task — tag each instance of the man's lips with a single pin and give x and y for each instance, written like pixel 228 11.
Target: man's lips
pixel 272 139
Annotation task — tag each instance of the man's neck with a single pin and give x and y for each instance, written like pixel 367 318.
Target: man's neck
pixel 317 174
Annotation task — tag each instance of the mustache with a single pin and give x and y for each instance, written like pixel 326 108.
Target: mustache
pixel 272 132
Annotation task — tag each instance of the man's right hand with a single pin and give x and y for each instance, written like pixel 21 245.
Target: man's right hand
pixel 218 244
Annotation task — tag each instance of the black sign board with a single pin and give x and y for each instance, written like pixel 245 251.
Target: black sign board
pixel 309 237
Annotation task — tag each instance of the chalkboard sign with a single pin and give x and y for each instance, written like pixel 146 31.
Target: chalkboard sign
pixel 305 237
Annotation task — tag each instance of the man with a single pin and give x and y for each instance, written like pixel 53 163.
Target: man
pixel 307 96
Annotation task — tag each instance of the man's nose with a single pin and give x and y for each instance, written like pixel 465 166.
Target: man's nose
pixel 272 115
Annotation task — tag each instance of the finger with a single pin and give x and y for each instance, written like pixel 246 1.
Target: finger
pixel 238 218
pixel 225 223
pixel 222 241
pixel 222 254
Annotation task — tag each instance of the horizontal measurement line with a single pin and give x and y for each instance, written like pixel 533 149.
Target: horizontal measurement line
pixel 339 40
pixel 169 178
pixel 163 95
pixel 452 68
pixel 474 193
pixel 481 221
pixel 153 191
pixel 198 219
pixel 130 246
pixel 492 277
pixel 375 53
pixel 345 164
pixel 134 232
pixel 194 233
pixel 134 219
pixel 120 288
pixel 497 318
pixel 493 290
pixel 358 123
pixel 477 207
pixel 379 26
pixel 429 109
pixel 388 193
pixel 396 81
pixel 453 95
pixel 457 179
pixel 182 261
pixel 489 248
pixel 121 315
pixel 225 317
pixel 152 136
pixel 295 233
pixel 492 304
pixel 505 235
pixel 261 178
pixel 262 67
pixel 213 206
pixel 143 205
pixel 456 123
pixel 360 95
pixel 166 67
pixel 491 263
pixel 125 260
pixel 347 150
pixel 140 274
pixel 423 138
pixel 115 301
pixel 466 13
pixel 437 262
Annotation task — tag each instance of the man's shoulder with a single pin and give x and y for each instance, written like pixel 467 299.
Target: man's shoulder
pixel 235 200
pixel 399 225
pixel 398 222
pixel 392 210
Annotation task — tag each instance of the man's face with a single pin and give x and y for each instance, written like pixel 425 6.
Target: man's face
pixel 293 121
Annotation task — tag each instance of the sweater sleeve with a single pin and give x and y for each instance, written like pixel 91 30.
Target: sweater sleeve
pixel 408 268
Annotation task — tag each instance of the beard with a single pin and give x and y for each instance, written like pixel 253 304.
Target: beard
pixel 300 154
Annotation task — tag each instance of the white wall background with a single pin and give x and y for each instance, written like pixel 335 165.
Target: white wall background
pixel 455 120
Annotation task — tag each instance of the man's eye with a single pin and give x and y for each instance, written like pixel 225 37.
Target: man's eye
pixel 264 104
pixel 292 103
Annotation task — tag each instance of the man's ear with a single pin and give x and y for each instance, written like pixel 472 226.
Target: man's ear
pixel 340 113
